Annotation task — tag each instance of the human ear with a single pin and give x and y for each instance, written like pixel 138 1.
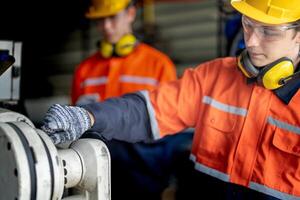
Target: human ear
pixel 131 13
pixel 298 37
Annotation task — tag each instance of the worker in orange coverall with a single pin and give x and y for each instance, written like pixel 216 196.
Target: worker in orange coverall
pixel 245 111
pixel 125 64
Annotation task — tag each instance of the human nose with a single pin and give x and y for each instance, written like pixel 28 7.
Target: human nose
pixel 107 23
pixel 104 24
pixel 252 38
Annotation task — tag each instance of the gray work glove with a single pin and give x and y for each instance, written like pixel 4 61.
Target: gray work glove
pixel 66 123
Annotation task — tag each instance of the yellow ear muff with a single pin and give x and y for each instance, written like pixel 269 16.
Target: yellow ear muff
pixel 271 78
pixel 242 68
pixel 122 48
pixel 125 45
pixel 106 49
pixel 271 75
pixel 245 65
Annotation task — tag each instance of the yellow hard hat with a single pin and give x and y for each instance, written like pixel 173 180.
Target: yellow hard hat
pixel 104 8
pixel 269 11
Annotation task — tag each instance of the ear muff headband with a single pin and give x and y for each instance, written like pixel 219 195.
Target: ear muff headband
pixel 244 63
pixel 271 75
pixel 122 48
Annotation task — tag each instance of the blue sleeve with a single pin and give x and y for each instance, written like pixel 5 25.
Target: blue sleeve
pixel 125 118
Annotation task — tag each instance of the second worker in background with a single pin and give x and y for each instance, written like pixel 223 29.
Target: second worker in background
pixel 123 64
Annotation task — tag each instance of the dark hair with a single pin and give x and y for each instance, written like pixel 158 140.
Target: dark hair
pixel 298 23
pixel 132 3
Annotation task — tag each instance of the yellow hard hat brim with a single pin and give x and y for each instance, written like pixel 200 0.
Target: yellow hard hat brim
pixel 249 11
pixel 106 8
pixel 100 14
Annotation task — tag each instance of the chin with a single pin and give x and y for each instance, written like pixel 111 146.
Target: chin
pixel 113 41
pixel 258 62
pixel 110 39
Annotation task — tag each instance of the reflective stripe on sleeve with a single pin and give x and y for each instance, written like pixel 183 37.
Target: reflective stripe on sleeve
pixel 151 112
pixel 224 107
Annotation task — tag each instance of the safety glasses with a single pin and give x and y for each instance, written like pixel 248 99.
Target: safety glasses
pixel 112 19
pixel 268 33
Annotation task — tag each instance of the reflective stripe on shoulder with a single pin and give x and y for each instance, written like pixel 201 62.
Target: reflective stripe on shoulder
pixel 151 112
pixel 254 186
pixel 94 81
pixel 224 107
pixel 284 125
pixel 138 80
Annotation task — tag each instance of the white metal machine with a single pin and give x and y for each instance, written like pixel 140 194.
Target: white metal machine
pixel 10 79
pixel 33 168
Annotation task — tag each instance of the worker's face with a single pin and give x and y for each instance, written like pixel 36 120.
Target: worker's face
pixel 116 26
pixel 267 43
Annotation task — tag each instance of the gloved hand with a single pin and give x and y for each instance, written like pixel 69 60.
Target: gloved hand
pixel 66 123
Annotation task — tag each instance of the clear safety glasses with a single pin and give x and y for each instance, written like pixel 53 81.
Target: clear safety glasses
pixel 268 33
pixel 112 19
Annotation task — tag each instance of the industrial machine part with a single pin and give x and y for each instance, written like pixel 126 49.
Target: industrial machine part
pixel 32 168
pixel 10 79
pixel 6 60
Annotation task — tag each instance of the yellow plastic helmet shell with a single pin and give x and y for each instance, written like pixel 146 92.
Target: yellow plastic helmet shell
pixel 105 8
pixel 126 45
pixel 269 11
pixel 272 77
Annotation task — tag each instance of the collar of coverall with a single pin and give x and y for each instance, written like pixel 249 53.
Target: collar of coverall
pixel 286 92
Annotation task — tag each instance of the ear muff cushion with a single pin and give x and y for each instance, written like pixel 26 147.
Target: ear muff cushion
pixel 125 45
pixel 106 49
pixel 244 63
pixel 122 48
pixel 271 75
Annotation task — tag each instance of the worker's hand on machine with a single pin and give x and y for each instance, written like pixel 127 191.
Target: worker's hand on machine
pixel 66 123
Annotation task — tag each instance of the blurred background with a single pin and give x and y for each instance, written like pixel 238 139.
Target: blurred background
pixel 55 37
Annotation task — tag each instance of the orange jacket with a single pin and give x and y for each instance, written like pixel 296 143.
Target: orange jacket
pixel 244 134
pixel 143 69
